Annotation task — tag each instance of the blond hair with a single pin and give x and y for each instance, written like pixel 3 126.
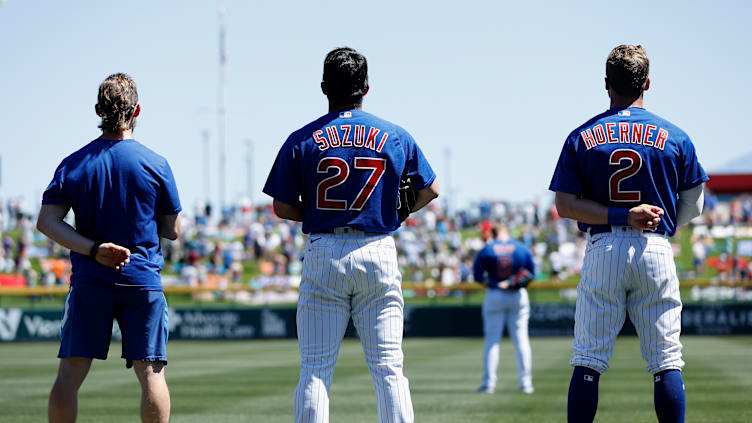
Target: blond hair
pixel 116 102
pixel 627 69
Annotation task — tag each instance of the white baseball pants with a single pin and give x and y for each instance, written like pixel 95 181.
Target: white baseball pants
pixel 511 309
pixel 628 271
pixel 344 275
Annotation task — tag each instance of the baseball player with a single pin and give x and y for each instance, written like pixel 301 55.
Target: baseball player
pixel 506 267
pixel 340 175
pixel 125 198
pixel 629 178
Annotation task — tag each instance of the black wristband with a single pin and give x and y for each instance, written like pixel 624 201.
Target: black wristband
pixel 93 251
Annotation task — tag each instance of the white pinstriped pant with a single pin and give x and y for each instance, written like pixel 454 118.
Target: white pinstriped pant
pixel 348 275
pixel 628 271
pixel 510 309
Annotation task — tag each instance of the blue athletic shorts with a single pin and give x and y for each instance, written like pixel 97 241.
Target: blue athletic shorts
pixel 87 322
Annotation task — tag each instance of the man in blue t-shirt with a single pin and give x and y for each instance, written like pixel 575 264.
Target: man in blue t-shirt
pixel 124 199
pixel 630 179
pixel 340 175
pixel 506 267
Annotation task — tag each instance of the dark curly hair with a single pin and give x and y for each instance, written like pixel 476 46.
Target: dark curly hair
pixel 627 69
pixel 345 75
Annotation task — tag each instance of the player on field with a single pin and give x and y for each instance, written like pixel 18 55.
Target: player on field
pixel 506 267
pixel 630 179
pixel 124 199
pixel 340 175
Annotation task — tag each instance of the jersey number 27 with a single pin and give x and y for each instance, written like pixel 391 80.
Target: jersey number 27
pixel 342 171
pixel 634 160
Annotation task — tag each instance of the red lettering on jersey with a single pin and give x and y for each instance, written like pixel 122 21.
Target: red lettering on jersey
pixel 381 143
pixel 346 138
pixel 635 164
pixel 660 142
pixel 600 134
pixel 360 135
pixel 587 137
pixel 648 133
pixel 324 144
pixel 503 249
pixel 624 132
pixel 371 140
pixel 610 130
pixel 636 133
pixel 342 170
pixel 331 132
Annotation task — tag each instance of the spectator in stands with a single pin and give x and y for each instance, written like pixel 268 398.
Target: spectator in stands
pixel 699 253
pixel 254 234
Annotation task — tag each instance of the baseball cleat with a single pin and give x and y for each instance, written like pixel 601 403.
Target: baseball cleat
pixel 528 390
pixel 485 390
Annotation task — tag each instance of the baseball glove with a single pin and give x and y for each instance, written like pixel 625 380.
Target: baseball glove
pixel 521 279
pixel 407 198
pixel 517 281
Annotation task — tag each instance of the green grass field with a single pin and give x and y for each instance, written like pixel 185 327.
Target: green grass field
pixel 253 381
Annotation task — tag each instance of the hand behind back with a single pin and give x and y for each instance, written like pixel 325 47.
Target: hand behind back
pixel 113 255
pixel 645 217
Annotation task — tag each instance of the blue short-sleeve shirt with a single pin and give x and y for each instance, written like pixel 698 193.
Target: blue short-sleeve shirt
pixel 116 189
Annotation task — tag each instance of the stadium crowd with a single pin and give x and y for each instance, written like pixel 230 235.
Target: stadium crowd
pixel 721 238
pixel 250 244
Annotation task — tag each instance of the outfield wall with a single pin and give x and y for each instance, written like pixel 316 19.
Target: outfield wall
pixel 255 323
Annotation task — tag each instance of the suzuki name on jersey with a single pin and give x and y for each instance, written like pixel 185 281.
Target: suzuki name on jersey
pixel 360 136
pixel 625 133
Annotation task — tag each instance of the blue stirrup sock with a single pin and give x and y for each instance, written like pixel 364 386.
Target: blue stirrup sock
pixel 583 395
pixel 668 395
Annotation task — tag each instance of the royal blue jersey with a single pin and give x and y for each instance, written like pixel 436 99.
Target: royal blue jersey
pixel 346 169
pixel 500 260
pixel 116 189
pixel 627 157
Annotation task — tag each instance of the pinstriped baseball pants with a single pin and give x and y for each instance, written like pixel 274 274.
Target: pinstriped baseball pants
pixel 351 275
pixel 628 272
pixel 510 309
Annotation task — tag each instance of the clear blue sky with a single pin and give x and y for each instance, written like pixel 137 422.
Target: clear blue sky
pixel 499 84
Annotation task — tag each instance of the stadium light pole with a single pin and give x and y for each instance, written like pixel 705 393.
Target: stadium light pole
pixel 205 142
pixel 221 112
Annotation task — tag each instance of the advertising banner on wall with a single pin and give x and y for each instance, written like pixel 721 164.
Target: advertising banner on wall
pixel 254 323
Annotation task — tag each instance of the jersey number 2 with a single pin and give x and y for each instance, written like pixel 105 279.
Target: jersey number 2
pixel 342 171
pixel 614 182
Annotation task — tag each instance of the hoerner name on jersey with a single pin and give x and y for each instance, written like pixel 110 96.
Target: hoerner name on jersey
pixel 625 133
